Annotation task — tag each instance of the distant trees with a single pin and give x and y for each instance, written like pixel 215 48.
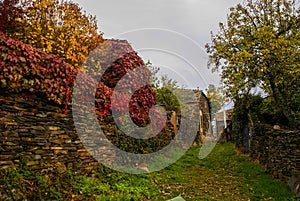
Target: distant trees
pixel 167 89
pixel 216 98
pixel 167 94
pixel 259 47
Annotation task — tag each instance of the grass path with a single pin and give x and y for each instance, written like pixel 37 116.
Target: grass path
pixel 223 175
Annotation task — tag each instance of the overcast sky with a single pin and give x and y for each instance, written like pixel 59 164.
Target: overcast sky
pixel 170 33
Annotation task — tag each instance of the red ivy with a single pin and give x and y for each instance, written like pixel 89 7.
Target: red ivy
pixel 24 68
pixel 8 13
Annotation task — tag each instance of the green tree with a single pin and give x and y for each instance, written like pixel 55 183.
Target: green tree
pixel 58 27
pixel 167 94
pixel 216 98
pixel 259 47
pixel 167 89
pixel 154 71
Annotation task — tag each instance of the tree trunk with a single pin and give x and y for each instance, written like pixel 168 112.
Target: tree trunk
pixel 282 105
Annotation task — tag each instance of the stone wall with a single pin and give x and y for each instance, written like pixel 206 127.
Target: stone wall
pixel 37 134
pixel 279 151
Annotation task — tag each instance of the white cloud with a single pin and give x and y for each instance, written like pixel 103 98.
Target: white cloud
pixel 193 18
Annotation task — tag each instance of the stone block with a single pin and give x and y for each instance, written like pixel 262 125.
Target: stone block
pixel 26 139
pixel 39 128
pixel 37 157
pixel 6 157
pixel 63 136
pixel 6 163
pixel 56 148
pixel 58 132
pixel 53 128
pixel 56 141
pixel 64 152
pixel 31 163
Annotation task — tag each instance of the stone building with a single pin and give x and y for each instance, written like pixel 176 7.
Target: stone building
pixel 204 115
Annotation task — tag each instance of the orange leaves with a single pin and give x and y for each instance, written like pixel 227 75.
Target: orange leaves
pixel 58 28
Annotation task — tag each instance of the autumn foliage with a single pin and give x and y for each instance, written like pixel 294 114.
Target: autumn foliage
pixel 45 44
pixel 24 68
pixel 9 11
pixel 56 27
pixel 27 69
pixel 257 49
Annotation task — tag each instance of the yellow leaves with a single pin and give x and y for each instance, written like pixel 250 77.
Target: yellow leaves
pixel 19 20
pixel 245 54
pixel 48 46
pixel 59 28
pixel 85 49
pixel 62 35
pixel 254 45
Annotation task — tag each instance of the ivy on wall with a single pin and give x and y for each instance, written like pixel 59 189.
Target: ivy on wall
pixel 27 69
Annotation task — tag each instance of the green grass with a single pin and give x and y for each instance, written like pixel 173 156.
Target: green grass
pixel 223 175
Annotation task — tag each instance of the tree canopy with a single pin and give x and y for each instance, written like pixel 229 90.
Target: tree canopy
pixel 259 47
pixel 56 27
pixel 167 89
pixel 216 98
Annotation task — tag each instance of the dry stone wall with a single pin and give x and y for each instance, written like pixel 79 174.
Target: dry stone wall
pixel 279 151
pixel 37 134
